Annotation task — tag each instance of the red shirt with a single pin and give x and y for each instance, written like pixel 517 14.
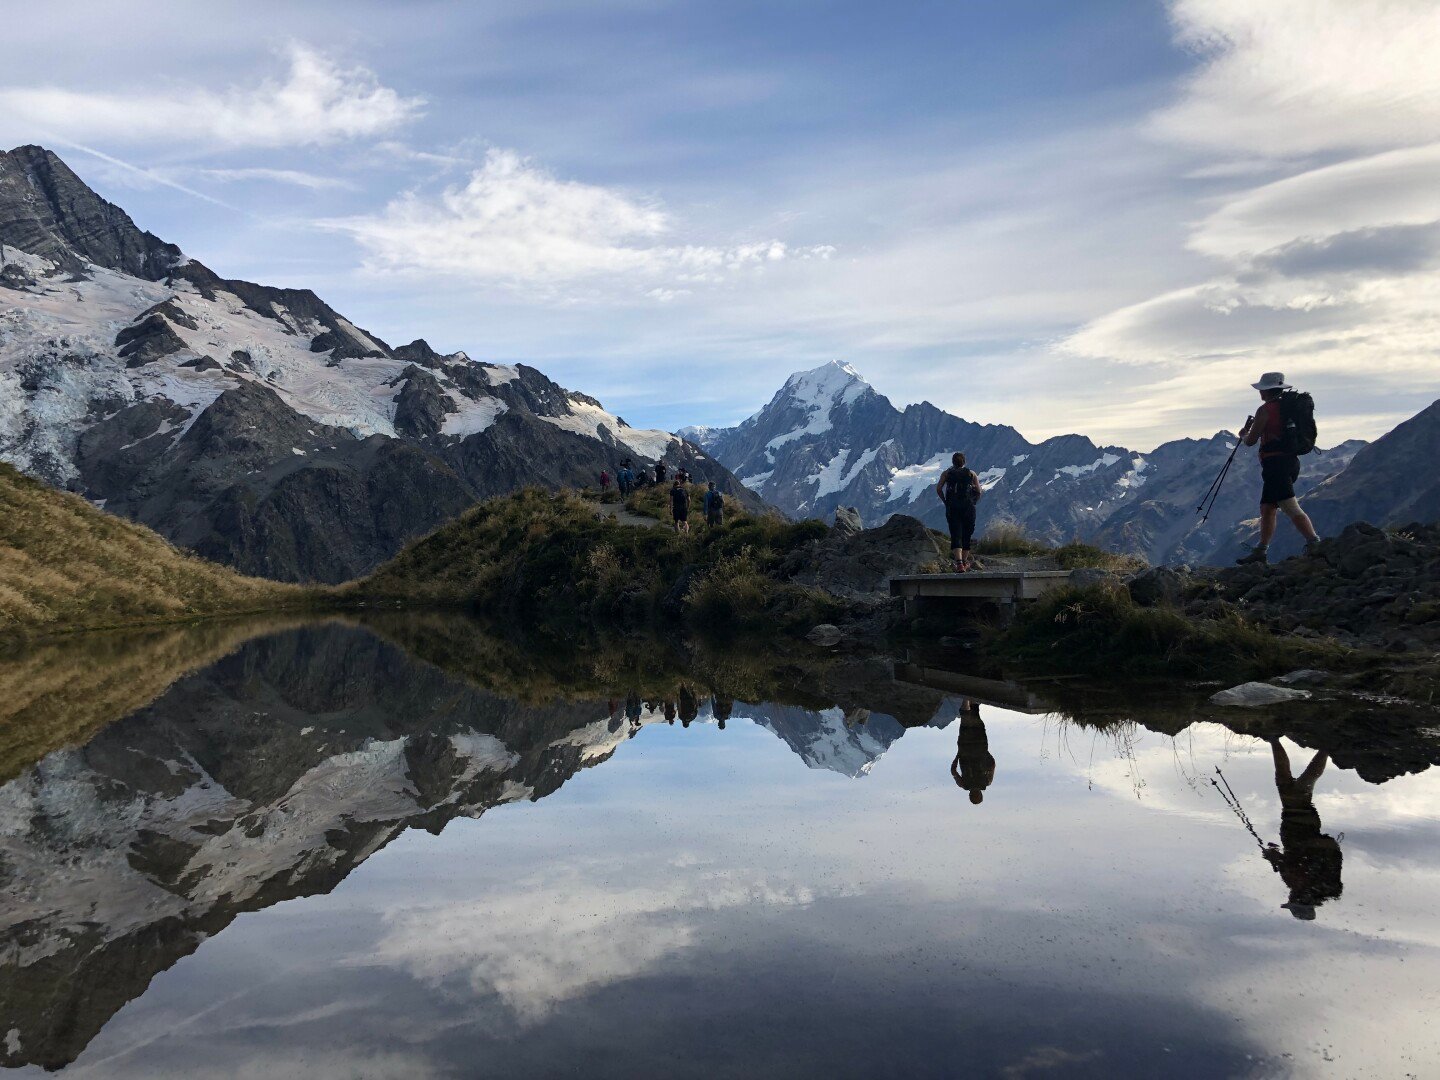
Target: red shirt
pixel 1272 428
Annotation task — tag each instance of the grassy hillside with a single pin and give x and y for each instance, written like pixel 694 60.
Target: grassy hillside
pixel 554 559
pixel 65 565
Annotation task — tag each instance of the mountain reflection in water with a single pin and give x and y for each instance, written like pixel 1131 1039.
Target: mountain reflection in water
pixel 1087 906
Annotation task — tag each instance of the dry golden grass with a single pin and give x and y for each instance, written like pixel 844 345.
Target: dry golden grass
pixel 65 565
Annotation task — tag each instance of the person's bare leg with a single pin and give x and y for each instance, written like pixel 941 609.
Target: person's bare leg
pixel 1267 523
pixel 1299 519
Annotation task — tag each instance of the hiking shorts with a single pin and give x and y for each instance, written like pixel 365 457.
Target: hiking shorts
pixel 680 515
pixel 961 519
pixel 1277 479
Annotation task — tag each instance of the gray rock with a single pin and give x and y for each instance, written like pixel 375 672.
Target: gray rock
pixel 1303 677
pixel 847 521
pixel 825 634
pixel 1254 694
pixel 1159 585
pixel 859 566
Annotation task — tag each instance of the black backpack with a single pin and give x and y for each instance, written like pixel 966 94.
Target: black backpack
pixel 717 501
pixel 1297 419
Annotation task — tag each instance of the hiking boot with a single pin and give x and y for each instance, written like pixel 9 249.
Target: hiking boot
pixel 1312 547
pixel 1257 555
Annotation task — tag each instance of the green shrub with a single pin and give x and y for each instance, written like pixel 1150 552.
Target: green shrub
pixel 1076 556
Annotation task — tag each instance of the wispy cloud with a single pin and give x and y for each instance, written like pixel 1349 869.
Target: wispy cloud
pixel 319 101
pixel 1330 273
pixel 294 177
pixel 514 224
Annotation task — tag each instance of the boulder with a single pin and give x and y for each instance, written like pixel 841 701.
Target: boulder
pixel 1087 576
pixel 1254 694
pixel 859 566
pixel 1303 677
pixel 1159 585
pixel 825 634
pixel 847 521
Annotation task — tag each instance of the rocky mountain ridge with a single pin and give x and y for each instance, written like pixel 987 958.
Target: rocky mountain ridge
pixel 257 425
pixel 827 440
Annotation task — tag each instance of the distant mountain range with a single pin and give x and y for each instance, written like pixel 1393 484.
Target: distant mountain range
pixel 828 439
pixel 257 425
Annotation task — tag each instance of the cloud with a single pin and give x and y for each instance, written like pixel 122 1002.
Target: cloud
pixel 293 177
pixel 318 102
pixel 1399 187
pixel 1330 274
pixel 545 942
pixel 1294 77
pixel 514 224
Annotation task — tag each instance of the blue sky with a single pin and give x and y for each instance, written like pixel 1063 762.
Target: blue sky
pixel 1095 217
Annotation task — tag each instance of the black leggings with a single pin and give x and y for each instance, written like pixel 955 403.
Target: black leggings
pixel 961 519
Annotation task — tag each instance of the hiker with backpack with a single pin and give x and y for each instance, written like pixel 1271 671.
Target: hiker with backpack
pixel 659 472
pixel 959 489
pixel 680 506
pixel 625 478
pixel 604 482
pixel 1284 426
pixel 714 506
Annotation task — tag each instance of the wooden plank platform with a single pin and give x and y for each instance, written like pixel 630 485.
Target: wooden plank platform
pixel 1002 694
pixel 1002 585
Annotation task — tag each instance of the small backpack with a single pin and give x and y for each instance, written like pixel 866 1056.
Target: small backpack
pixel 717 501
pixel 1297 419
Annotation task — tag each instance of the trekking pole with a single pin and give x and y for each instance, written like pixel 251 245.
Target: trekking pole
pixel 1213 491
pixel 1233 801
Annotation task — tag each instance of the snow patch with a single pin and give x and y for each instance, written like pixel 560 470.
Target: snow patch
pixel 589 420
pixel 756 480
pixel 910 482
pixel 474 416
pixel 1104 461
pixel 990 477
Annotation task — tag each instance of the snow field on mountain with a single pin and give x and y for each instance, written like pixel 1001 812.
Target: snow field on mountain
pixel 586 419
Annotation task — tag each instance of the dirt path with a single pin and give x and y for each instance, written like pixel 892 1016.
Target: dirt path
pixel 617 512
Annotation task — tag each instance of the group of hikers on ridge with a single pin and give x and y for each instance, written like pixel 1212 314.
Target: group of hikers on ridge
pixel 628 479
pixel 1283 426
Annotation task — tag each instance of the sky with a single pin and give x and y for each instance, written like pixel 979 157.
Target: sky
pixel 1096 217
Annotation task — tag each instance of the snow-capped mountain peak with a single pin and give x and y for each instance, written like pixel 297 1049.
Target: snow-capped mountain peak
pixel 255 424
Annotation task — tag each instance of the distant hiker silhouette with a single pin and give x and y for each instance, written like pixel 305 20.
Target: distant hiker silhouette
pixel 974 767
pixel 1306 859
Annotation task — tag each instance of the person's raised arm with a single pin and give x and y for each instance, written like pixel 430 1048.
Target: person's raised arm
pixel 1250 433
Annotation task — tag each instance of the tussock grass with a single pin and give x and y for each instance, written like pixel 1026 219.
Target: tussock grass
pixel 1077 556
pixel 1006 537
pixel 549 557
pixel 64 565
pixel 1098 628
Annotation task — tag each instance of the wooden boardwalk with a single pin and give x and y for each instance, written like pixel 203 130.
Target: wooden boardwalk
pixel 1004 586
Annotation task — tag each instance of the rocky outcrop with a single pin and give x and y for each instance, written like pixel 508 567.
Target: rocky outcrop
pixel 48 211
pixel 858 566
pixel 1367 587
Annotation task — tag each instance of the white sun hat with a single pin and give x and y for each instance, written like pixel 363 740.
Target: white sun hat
pixel 1271 380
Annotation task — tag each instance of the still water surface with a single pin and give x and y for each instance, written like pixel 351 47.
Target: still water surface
pixel 323 856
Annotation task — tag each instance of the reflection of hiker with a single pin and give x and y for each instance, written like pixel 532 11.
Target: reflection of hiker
pixel 680 506
pixel 669 712
pixel 1284 426
pixel 722 707
pixel 632 707
pixel 1306 859
pixel 973 767
pixel 959 489
pixel 714 506
pixel 689 707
